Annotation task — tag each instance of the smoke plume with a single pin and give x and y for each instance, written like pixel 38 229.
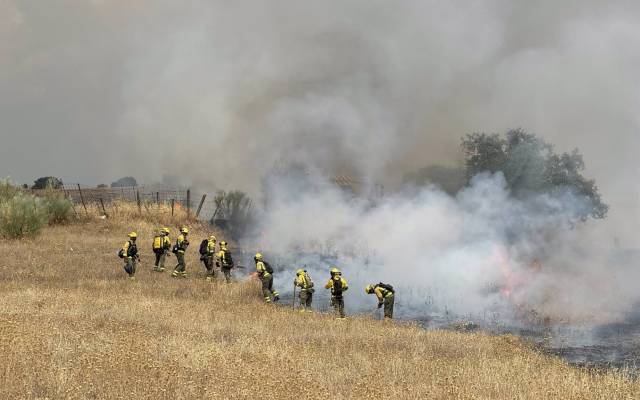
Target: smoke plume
pixel 215 92
pixel 480 251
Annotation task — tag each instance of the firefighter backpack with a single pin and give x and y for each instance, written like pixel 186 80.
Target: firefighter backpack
pixel 203 247
pixel 268 267
pixel 387 287
pixel 157 244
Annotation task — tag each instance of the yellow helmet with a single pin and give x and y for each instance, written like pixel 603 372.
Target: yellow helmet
pixel 133 235
pixel 258 257
pixel 165 230
pixel 369 289
pixel 212 237
pixel 223 244
pixel 184 230
pixel 300 271
pixel 335 271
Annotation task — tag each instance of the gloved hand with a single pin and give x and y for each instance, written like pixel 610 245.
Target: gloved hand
pixel 379 305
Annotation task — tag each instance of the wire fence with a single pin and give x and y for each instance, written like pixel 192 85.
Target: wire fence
pixel 201 206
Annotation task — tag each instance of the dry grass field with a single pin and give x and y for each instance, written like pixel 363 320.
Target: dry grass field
pixel 74 327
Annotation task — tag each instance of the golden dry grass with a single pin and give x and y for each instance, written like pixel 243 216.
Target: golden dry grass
pixel 73 327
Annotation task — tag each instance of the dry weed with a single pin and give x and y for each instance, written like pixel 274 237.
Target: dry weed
pixel 73 327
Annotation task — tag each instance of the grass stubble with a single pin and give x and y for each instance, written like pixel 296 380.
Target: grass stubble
pixel 72 326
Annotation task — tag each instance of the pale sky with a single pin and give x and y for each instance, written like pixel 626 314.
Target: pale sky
pixel 214 92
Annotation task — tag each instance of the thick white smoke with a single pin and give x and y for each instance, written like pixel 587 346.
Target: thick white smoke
pixel 478 252
pixel 214 92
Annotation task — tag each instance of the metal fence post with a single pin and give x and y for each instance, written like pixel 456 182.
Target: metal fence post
pixel 204 196
pixel 82 199
pixel 103 209
pixel 188 203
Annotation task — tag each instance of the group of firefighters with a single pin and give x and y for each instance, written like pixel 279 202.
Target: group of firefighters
pixel 222 258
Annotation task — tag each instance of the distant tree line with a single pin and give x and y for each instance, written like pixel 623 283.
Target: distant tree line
pixel 51 182
pixel 127 181
pixel 47 182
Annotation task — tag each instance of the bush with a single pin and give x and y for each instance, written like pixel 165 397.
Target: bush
pixel 127 181
pixel 22 215
pixel 7 190
pixel 58 208
pixel 48 182
pixel 530 165
pixel 235 208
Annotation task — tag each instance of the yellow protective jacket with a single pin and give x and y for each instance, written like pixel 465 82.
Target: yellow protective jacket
pixel 182 243
pixel 211 248
pixel 262 270
pixel 337 286
pixel 381 293
pixel 129 249
pixel 222 256
pixel 166 243
pixel 304 281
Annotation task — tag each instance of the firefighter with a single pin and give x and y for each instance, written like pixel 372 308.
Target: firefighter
pixel 265 273
pixel 161 247
pixel 225 261
pixel 208 256
pixel 304 282
pixel 338 286
pixel 385 295
pixel 129 253
pixel 182 242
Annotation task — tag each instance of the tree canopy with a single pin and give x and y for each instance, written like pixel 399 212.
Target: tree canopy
pixel 530 165
pixel 127 181
pixel 47 182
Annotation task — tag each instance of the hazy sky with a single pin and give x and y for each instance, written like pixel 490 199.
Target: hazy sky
pixel 215 91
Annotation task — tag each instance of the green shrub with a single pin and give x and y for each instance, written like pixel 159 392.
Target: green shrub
pixel 22 215
pixel 235 208
pixel 58 207
pixel 7 190
pixel 48 182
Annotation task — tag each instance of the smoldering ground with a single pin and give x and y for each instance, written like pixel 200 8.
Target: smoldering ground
pixel 480 250
pixel 213 93
pixel 482 257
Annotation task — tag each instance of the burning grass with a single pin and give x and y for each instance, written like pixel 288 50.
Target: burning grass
pixel 74 327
